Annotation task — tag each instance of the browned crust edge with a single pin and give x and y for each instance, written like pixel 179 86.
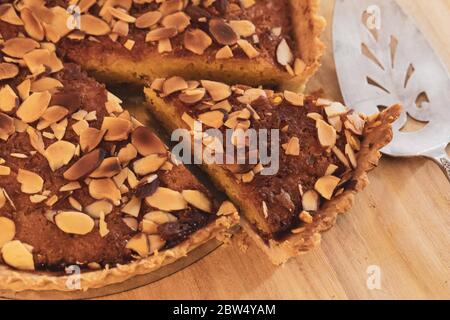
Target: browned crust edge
pixel 378 134
pixel 17 281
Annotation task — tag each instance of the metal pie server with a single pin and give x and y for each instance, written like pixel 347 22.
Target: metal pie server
pixel 382 59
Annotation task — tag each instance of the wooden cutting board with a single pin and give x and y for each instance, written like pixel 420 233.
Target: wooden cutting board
pixel 400 224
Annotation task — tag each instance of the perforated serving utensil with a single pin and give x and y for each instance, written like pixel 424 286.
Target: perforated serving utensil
pixel 382 58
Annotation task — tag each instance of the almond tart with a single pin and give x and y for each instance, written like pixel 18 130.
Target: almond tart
pixel 269 42
pixel 326 150
pixel 84 184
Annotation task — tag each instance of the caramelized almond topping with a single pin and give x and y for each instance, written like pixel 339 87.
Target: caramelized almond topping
pixel 31 182
pixel 34 107
pixel 174 84
pixel 156 243
pixel 96 208
pixel 310 200
pixel 167 200
pixel 294 98
pixel 18 47
pixel 105 189
pixel 197 41
pixel 222 32
pixel 117 129
pixel 8 70
pixel 326 186
pixel 161 34
pixel 17 255
pixel 149 164
pixel 31 24
pixel 213 119
pixel 146 142
pixel 59 154
pixel 327 134
pixel 107 169
pixel 90 138
pixel 197 199
pixel 85 165
pixel 74 222
pixel 93 26
pixel 148 19
pixel 139 244
pixel 217 90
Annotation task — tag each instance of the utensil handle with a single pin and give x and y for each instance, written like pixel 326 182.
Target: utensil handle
pixel 444 162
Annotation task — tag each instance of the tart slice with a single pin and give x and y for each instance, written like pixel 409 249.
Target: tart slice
pixel 84 185
pixel 325 151
pixel 269 42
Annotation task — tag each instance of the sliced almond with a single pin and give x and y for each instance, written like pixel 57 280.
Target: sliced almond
pixel 293 147
pixel 335 109
pixel 31 182
pixel 178 20
pixel 284 53
pixel 107 169
pixel 226 208
pixel 45 84
pixel 148 227
pixel 310 200
pixel 7 230
pixel 327 134
pixel 213 119
pixel 197 199
pixel 161 34
pixel 4 170
pixel 98 207
pixel 192 96
pixel 7 126
pixel 249 50
pixel 222 32
pixel 160 217
pixel 85 165
pixel 146 142
pixel 34 107
pixel 217 90
pixel 139 244
pixel 8 99
pixel 74 222
pixel 17 255
pixel 293 98
pixel 131 223
pixel 117 129
pixel 121 15
pixel 224 53
pixel 18 47
pixel 133 207
pixel 167 200
pixel 306 217
pixel 244 28
pixel 127 154
pixel 351 155
pixel 148 164
pixel 8 70
pixel 93 26
pixel 331 169
pixel 156 243
pixel 197 41
pixel 105 189
pixel 91 138
pixel 148 19
pixel 173 85
pixel 8 14
pixel 42 60
pixel 31 24
pixel 103 226
pixel 341 156
pixel 59 154
pixel 326 186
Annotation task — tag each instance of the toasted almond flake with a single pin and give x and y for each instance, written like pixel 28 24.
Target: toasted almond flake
pixel 160 217
pixel 217 90
pixel 197 41
pixel 158 84
pixel 335 109
pixel 161 34
pixel 31 182
pixel 148 19
pixel 127 154
pixel 326 186
pixel 293 98
pixel 299 67
pixel 107 169
pixel 249 50
pixel 167 200
pixel 59 154
pixel 37 198
pixel 52 200
pixel 146 142
pixel 90 138
pixel 244 28
pixel 103 226
pixel 105 189
pixel 224 53
pixel 54 114
pixel 8 14
pixel 121 15
pixel 31 24
pixel 341 156
pixel 178 20
pixel 131 223
pixel 306 217
pixel 197 199
pixel 226 208
pixel 156 243
pixel 97 208
pixel 129 44
pixel 117 129
pixel 213 119
pixel 34 107
pixel 8 70
pixel 45 84
pixel 293 147
pixel 148 227
pixel 42 60
pixel 139 244
pixel 173 85
pixel 149 164
pixel 265 209
pixel 17 255
pixel 80 126
pixel 18 47
pixel 59 128
pixel 85 165
pixel 7 126
pixel 351 155
pixel 74 222
pixel 188 120
pixel 284 53
pixel 93 26
pixel 132 180
pixel 7 230
pixel 71 186
pixel 75 204
pixel 355 123
pixel 4 171
pixel 331 169
pixel 327 134
pixel 24 89
pixel 8 99
pixel 192 96
pixel 222 32
pixel 310 200
pixel 133 207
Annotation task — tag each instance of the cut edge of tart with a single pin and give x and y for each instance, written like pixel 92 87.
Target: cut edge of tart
pixel 341 141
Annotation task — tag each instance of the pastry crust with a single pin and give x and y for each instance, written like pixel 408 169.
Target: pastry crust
pixel 20 281
pixel 378 133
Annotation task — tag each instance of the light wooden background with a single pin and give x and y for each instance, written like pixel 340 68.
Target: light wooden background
pixel 401 223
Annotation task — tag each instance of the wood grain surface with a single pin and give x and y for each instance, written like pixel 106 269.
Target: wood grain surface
pixel 400 223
